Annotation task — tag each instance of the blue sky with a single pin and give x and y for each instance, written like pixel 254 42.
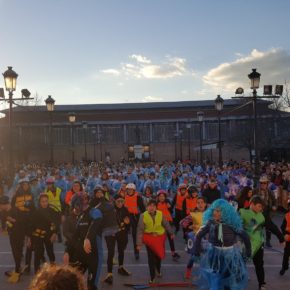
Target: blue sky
pixel 104 51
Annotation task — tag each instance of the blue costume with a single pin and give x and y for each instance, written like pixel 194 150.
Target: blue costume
pixel 222 266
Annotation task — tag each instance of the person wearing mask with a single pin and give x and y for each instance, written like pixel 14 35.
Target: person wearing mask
pixel 135 206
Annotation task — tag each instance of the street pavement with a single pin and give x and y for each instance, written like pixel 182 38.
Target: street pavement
pixel 172 271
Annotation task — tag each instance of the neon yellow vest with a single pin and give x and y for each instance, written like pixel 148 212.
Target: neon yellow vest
pixel 196 220
pixel 54 200
pixel 151 227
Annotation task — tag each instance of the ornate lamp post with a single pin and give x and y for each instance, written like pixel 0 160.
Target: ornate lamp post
pixel 72 119
pixel 219 104
pixel 10 79
pixel 50 108
pixel 200 116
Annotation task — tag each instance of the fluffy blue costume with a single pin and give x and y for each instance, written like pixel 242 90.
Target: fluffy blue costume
pixel 222 265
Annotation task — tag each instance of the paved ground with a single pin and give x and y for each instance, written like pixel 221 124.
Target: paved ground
pixel 172 271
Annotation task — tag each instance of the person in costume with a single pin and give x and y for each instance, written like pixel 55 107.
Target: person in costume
pixel 285 227
pixel 254 222
pixel 222 266
pixel 191 225
pixel 177 204
pixel 121 237
pixel 134 204
pixel 43 231
pixel 18 224
pixel 109 227
pixel 163 204
pixel 75 228
pixel 152 228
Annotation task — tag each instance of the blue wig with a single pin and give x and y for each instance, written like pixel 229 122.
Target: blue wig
pixel 229 215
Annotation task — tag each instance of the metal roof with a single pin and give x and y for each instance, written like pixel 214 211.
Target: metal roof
pixel 128 106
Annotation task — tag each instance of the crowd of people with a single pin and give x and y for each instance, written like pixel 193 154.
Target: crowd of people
pixel 86 206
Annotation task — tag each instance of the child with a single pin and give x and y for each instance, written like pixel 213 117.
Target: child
pixel 254 222
pixel 163 204
pixel 285 227
pixel 222 265
pixel 191 225
pixel 177 204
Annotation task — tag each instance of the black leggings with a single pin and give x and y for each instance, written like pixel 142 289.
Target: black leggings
pixel 122 240
pixel 177 219
pixel 134 219
pixel 154 262
pixel 285 263
pixel 258 261
pixel 17 237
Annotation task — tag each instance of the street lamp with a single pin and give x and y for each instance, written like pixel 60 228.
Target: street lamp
pixel 188 126
pixel 200 116
pixel 85 127
pixel 50 108
pixel 219 104
pixel 72 119
pixel 10 79
pixel 254 77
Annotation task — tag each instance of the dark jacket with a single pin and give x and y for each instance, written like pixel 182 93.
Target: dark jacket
pixel 211 194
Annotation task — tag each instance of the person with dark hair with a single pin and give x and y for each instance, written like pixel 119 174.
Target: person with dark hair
pixel 151 231
pixel 77 188
pixel 211 193
pixel 148 195
pixel 53 277
pixel 177 204
pixel 254 222
pixel 109 227
pixel 43 231
pixel 163 204
pixel 19 220
pixel 244 197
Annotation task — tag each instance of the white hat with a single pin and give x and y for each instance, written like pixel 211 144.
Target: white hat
pixel 131 186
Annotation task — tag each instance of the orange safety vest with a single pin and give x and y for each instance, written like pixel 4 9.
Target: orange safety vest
pixel 131 203
pixel 179 201
pixel 287 217
pixel 191 204
pixel 162 206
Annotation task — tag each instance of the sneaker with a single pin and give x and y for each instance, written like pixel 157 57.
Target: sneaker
pixel 109 279
pixel 188 273
pixel 14 277
pixel 263 287
pixel 122 271
pixel 158 274
pixel 282 271
pixel 151 281
pixel 175 256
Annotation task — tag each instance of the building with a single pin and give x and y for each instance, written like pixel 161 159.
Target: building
pixel 153 131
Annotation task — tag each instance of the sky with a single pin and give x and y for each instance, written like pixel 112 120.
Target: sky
pixel 124 51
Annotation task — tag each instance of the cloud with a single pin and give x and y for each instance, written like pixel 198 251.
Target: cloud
pixel 274 66
pixel 152 99
pixel 143 68
pixel 111 71
pixel 140 58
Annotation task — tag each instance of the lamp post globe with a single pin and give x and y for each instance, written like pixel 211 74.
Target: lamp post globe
pixel 219 105
pixel 50 104
pixel 10 78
